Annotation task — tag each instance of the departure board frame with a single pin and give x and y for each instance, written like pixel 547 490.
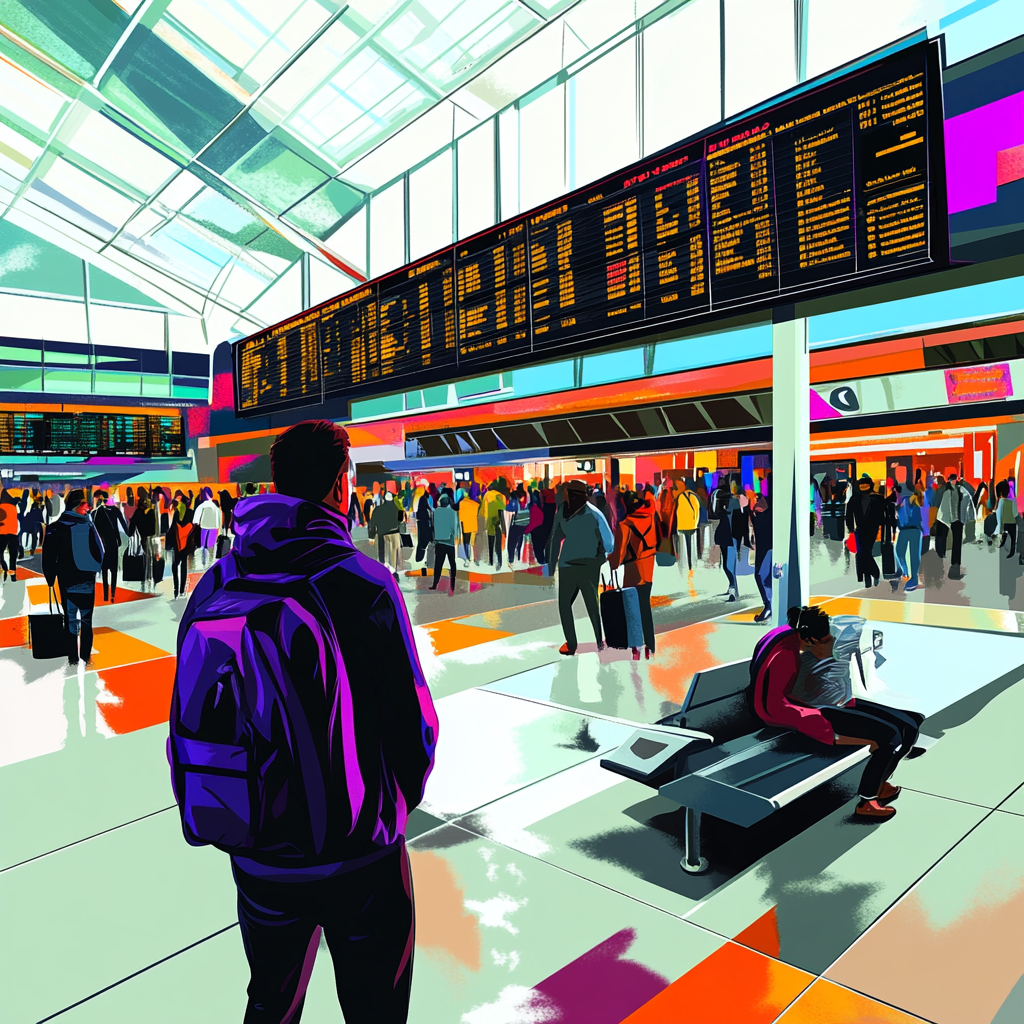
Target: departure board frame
pixel 85 434
pixel 830 187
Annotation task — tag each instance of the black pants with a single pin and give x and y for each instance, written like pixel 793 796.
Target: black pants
pixel 894 731
pixel 957 530
pixel 940 531
pixel 515 542
pixel 494 544
pixel 179 572
pixel 643 593
pixel 109 574
pixel 760 554
pixel 9 546
pixel 441 552
pixel 1010 530
pixel 367 918
pixel 423 538
pixel 78 610
pixel 467 544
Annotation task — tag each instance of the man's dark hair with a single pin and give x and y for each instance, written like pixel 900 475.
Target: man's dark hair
pixel 99 494
pixel 75 498
pixel 810 622
pixel 306 459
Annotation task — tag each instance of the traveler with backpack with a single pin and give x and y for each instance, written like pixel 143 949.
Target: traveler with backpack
pixel 109 525
pixel 814 696
pixel 636 541
pixel 302 733
pixel 579 544
pixel 72 555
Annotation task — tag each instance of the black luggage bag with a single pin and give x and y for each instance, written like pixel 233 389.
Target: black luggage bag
pixel 48 634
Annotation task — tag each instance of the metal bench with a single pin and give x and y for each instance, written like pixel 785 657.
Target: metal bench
pixel 725 762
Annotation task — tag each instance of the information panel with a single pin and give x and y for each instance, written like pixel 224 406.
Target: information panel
pixel 91 433
pixel 841 183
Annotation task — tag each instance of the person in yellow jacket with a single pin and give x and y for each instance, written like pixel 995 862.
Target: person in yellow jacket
pixel 494 513
pixel 468 512
pixel 688 522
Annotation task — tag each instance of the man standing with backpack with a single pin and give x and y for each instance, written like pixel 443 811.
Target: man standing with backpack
pixel 72 555
pixel 302 733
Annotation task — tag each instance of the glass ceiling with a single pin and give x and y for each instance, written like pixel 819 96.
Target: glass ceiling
pixel 196 148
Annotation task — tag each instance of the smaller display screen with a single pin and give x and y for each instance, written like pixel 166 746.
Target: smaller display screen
pixel 91 433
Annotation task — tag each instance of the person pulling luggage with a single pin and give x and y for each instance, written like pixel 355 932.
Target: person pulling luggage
pixel 636 540
pixel 73 554
pixel 579 545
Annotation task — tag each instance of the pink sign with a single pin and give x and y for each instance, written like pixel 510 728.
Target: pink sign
pixel 979 383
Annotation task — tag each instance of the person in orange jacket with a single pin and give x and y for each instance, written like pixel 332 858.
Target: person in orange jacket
pixel 636 540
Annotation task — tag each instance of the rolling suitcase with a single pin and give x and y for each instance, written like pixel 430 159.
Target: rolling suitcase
pixel 620 616
pixel 48 634
pixel 158 569
pixel 133 569
pixel 223 545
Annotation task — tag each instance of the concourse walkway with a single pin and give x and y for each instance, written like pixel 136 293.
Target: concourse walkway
pixel 547 888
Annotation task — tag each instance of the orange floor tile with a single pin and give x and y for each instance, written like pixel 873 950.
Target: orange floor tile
pixel 447 636
pixel 111 648
pixel 14 632
pixel 142 692
pixel 762 935
pixel 825 1003
pixel 732 986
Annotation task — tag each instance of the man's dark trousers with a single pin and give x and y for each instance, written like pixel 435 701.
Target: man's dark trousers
pixel 957 530
pixel 441 552
pixel 78 608
pixel 367 918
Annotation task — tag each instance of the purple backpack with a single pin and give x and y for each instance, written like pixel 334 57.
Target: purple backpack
pixel 248 748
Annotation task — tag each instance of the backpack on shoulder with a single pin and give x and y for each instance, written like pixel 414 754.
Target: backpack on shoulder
pixel 86 546
pixel 248 778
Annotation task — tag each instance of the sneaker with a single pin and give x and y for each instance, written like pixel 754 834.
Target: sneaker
pixel 636 653
pixel 564 649
pixel 911 587
pixel 764 615
pixel 434 587
pixel 648 653
pixel 888 792
pixel 873 809
pixel 895 584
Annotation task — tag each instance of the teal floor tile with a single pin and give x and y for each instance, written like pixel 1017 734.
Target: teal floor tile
pixel 83 918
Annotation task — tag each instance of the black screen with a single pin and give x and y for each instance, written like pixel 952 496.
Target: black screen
pixel 91 433
pixel 839 184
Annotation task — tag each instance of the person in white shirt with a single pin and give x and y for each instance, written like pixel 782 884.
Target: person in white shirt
pixel 207 518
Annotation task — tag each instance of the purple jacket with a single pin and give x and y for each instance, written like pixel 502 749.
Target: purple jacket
pixel 302 730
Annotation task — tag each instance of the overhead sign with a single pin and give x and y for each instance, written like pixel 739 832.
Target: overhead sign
pixel 839 184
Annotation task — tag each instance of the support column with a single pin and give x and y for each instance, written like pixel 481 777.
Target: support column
pixel 791 462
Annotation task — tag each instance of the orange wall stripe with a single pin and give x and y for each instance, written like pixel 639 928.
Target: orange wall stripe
pixel 871 360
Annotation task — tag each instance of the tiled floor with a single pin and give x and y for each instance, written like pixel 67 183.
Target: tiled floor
pixel 547 888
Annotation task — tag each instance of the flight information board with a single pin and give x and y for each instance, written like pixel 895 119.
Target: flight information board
pixel 839 184
pixel 91 433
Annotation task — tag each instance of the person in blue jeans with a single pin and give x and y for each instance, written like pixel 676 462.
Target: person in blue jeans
pixel 909 539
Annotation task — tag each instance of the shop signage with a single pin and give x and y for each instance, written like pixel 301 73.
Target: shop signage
pixel 978 383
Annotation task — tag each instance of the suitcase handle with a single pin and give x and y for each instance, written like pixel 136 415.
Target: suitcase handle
pixel 613 584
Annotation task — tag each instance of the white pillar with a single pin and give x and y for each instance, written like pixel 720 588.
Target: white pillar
pixel 791 463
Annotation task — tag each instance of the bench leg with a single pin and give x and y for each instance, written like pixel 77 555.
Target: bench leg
pixel 692 861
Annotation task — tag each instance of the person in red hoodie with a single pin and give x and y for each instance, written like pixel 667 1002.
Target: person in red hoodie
pixel 799 685
pixel 636 540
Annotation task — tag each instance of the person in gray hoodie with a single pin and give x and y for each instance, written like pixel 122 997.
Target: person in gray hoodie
pixel 445 529
pixel 580 542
